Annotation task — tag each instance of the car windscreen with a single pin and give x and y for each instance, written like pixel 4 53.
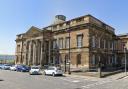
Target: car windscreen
pixel 51 68
pixel 35 68
pixel 58 68
pixel 7 65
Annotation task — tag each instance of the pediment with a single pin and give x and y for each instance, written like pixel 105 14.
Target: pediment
pixel 33 30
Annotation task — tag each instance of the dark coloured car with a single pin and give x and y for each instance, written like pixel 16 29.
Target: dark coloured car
pixel 22 68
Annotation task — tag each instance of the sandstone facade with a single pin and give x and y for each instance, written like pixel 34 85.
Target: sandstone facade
pixel 83 42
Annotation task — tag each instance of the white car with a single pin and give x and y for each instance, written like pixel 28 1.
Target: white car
pixel 6 66
pixel 35 70
pixel 13 68
pixel 53 71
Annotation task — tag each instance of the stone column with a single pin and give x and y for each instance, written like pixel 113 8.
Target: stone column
pixel 45 60
pixel 39 52
pixel 34 50
pixel 25 53
pixel 29 53
pixel 32 59
pixel 49 52
pixel 42 55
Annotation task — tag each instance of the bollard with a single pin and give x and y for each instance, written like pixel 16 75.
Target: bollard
pixel 99 72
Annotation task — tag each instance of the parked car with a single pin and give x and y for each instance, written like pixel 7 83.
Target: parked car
pixel 35 70
pixel 1 66
pixel 6 66
pixel 53 71
pixel 22 68
pixel 13 68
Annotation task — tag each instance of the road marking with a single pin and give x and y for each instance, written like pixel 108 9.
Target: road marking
pixel 69 80
pixel 75 81
pixel 98 83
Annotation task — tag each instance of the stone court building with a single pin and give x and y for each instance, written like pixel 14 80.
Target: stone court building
pixel 83 42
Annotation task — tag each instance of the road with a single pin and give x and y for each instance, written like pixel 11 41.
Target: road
pixel 19 80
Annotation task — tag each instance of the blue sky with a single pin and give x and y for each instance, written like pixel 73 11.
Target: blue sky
pixel 17 16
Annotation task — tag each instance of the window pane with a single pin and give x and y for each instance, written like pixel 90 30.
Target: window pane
pixel 61 43
pixel 54 44
pixel 104 44
pixel 93 41
pixel 93 59
pixel 79 41
pixel 67 42
pixel 99 43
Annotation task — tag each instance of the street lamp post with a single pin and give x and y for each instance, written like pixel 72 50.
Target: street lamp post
pixel 99 69
pixel 69 72
pixel 125 61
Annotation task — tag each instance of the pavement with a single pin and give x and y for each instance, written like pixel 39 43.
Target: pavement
pixel 112 77
pixel 19 80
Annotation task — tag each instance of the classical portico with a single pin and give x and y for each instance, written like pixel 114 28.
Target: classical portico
pixel 34 49
pixel 33 52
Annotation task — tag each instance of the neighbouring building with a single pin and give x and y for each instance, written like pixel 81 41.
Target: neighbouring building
pixel 124 40
pixel 84 42
pixel 124 46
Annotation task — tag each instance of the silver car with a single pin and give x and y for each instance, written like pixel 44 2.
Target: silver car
pixel 6 66
pixel 35 70
pixel 53 71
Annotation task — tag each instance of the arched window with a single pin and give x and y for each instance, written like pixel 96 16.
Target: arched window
pixel 78 59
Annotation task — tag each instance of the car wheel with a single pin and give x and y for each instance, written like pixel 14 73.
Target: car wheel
pixel 53 74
